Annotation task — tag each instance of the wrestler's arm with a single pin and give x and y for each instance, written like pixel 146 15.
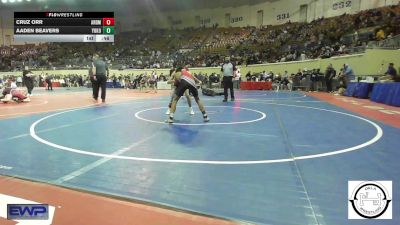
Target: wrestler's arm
pixel 171 79
pixel 197 80
pixel 178 76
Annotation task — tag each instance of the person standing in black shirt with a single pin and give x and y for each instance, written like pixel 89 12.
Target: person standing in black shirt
pixel 28 79
pixel 313 79
pixel 330 73
pixel 100 71
pixel 248 76
pixel 92 81
pixel 114 81
pixel 49 83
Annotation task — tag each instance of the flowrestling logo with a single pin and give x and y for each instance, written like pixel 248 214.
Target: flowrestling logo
pixel 370 200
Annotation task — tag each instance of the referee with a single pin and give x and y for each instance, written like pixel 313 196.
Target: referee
pixel 27 78
pixel 228 70
pixel 92 81
pixel 100 74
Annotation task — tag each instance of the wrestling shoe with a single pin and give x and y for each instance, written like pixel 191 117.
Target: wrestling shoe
pixel 191 112
pixel 170 120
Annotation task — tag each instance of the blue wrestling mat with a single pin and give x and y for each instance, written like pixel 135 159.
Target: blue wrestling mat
pixel 268 158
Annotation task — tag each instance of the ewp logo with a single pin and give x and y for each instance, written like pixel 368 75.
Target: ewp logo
pixel 27 212
pixel 6 200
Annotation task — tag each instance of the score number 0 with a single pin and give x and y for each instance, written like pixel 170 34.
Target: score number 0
pixel 108 21
pixel 108 25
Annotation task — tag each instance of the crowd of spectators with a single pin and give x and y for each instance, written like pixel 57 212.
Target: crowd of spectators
pixel 39 80
pixel 205 47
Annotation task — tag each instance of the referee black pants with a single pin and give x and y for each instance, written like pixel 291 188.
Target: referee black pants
pixel 100 82
pixel 228 84
pixel 49 85
pixel 328 84
pixel 29 86
pixel 92 81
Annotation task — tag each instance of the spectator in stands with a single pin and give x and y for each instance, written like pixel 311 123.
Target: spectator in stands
pixel 291 81
pixel 143 81
pixel 277 82
pixel 263 76
pixel 380 35
pixel 296 79
pixel 313 79
pixel 80 81
pixel 41 80
pixel 248 76
pixel 162 77
pixel 299 74
pixel 254 77
pixel 267 44
pixel 303 56
pixel 114 81
pixel 286 74
pixel 342 82
pixel 390 75
pixel 355 37
pixel 153 81
pixel 270 76
pixel 391 70
pixel 348 74
pixel 285 82
pixel 330 73
pixel 237 79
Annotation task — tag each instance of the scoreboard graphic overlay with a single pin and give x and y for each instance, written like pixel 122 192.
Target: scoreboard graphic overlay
pixel 64 26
